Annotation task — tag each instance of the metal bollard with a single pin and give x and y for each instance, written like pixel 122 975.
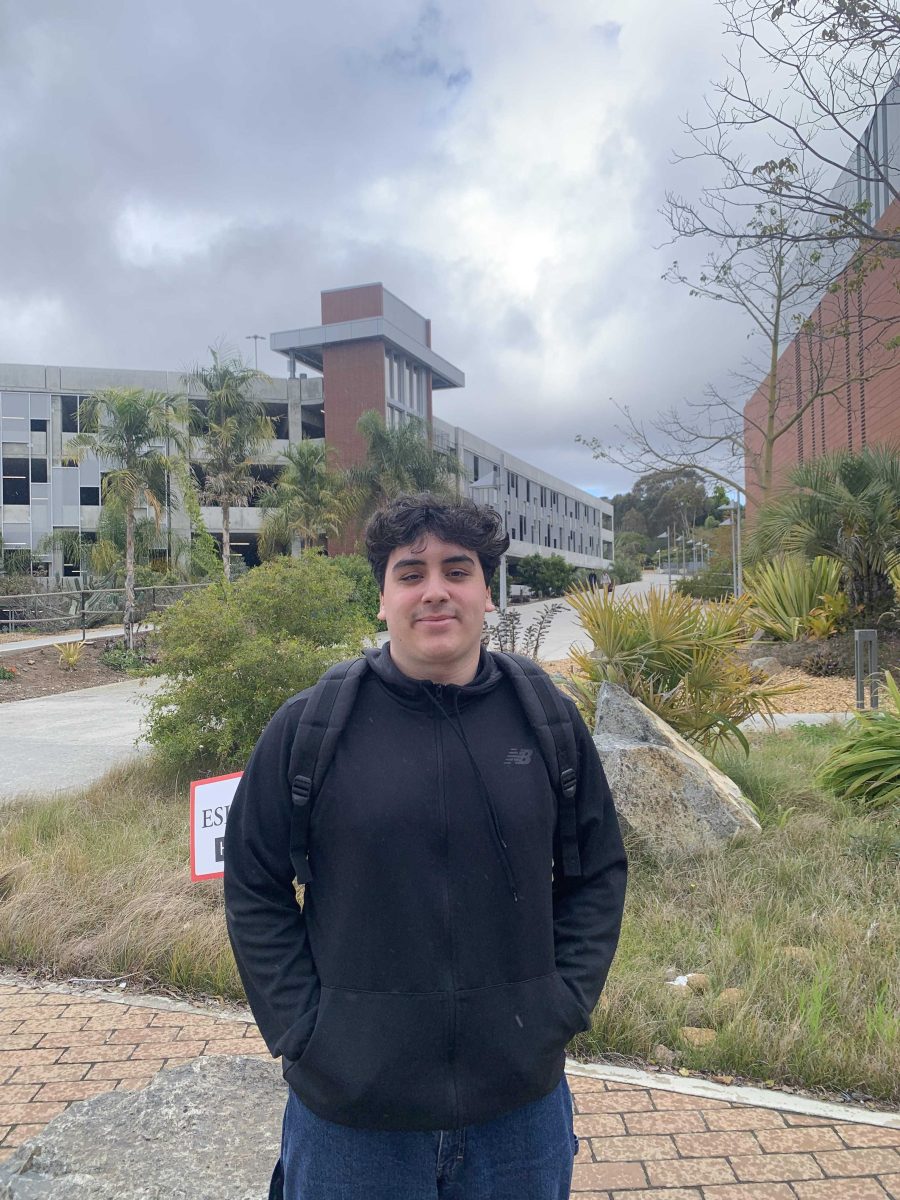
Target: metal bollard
pixel 865 653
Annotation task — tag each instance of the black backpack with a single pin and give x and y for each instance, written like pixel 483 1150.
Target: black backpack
pixel 328 708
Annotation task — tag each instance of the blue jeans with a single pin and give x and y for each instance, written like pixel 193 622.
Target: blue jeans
pixel 526 1154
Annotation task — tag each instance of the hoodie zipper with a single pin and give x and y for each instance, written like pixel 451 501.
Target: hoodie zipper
pixel 442 799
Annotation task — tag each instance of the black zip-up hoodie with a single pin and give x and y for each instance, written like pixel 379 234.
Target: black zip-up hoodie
pixel 437 968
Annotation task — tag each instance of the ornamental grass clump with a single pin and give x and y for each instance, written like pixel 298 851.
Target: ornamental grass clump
pixel 677 656
pixel 865 767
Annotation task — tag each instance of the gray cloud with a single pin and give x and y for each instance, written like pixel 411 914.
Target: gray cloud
pixel 179 173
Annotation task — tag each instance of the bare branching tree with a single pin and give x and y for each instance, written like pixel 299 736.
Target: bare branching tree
pixel 794 230
pixel 778 282
pixel 830 68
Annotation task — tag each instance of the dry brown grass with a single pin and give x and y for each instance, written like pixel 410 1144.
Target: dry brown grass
pixel 97 884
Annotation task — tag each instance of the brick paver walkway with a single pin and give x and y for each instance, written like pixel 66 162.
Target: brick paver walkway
pixel 637 1143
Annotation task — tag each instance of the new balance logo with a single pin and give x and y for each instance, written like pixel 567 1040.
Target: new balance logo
pixel 517 758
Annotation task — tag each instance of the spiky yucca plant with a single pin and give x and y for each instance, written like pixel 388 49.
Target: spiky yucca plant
pixel 677 656
pixel 786 591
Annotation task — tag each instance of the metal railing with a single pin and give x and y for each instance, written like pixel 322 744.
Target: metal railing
pixel 84 608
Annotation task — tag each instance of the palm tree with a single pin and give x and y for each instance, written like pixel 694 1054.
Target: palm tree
pixel 234 428
pixel 845 506
pixel 129 427
pixel 398 460
pixel 310 500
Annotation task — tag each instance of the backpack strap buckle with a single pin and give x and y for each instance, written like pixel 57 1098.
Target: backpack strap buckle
pixel 568 783
pixel 301 790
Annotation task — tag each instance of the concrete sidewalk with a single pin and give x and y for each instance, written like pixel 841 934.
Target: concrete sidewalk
pixel 642 1137
pixel 68 635
pixel 52 743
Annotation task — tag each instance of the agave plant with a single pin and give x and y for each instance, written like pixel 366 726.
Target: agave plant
pixel 785 593
pixel 866 766
pixel 675 655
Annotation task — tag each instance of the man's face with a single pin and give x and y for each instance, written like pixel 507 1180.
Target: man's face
pixel 434 601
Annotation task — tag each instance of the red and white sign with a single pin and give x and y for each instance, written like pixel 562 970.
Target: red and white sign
pixel 210 802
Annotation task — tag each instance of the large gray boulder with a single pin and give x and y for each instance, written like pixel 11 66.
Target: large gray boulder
pixel 662 786
pixel 209 1130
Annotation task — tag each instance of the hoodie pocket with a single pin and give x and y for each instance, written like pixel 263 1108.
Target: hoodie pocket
pixel 377 1060
pixel 511 1042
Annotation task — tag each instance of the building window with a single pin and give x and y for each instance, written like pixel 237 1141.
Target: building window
pixel 278 415
pixel 90 497
pixel 38 425
pixel 69 414
pixel 543 497
pixel 522 529
pixel 15 481
pixel 607 521
pixel 607 550
pixel 527 491
pixel 39 470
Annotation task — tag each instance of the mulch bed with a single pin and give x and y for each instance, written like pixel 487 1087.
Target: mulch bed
pixel 38 672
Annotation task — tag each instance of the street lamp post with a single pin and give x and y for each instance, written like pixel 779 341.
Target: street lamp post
pixel 255 338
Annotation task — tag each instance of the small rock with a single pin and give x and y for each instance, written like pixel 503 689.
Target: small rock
pixel 800 954
pixel 697 1037
pixel 769 665
pixel 698 982
pixel 726 1079
pixel 31 661
pixel 729 998
pixel 663 1056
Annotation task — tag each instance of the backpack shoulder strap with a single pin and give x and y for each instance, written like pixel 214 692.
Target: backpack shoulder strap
pixel 321 723
pixel 552 725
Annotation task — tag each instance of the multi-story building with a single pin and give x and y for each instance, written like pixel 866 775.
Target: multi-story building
pixel 847 366
pixel 372 352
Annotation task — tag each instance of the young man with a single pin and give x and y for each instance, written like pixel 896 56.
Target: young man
pixel 423 997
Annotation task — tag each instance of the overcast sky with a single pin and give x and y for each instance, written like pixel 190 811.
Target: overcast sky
pixel 174 174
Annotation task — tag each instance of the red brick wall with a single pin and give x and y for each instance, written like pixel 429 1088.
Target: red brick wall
pixel 352 304
pixel 861 400
pixel 354 383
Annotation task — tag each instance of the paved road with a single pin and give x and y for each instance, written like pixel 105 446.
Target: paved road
pixel 52 743
pixel 566 629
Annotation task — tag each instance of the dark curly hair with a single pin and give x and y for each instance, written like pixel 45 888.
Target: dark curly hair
pixel 406 520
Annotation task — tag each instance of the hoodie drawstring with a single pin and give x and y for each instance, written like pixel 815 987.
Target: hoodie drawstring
pixel 496 830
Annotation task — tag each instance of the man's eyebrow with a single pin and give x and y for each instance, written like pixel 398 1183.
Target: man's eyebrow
pixel 402 563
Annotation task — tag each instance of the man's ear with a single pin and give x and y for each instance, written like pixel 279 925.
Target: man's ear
pixel 381 616
pixel 488 602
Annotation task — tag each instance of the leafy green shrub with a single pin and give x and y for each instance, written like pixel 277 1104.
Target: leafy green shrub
pixel 625 570
pixel 549 576
pixel 365 590
pixel 677 656
pixel 712 583
pixel 231 654
pixel 866 766
pixel 787 591
pixel 118 657
pixel 8 673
